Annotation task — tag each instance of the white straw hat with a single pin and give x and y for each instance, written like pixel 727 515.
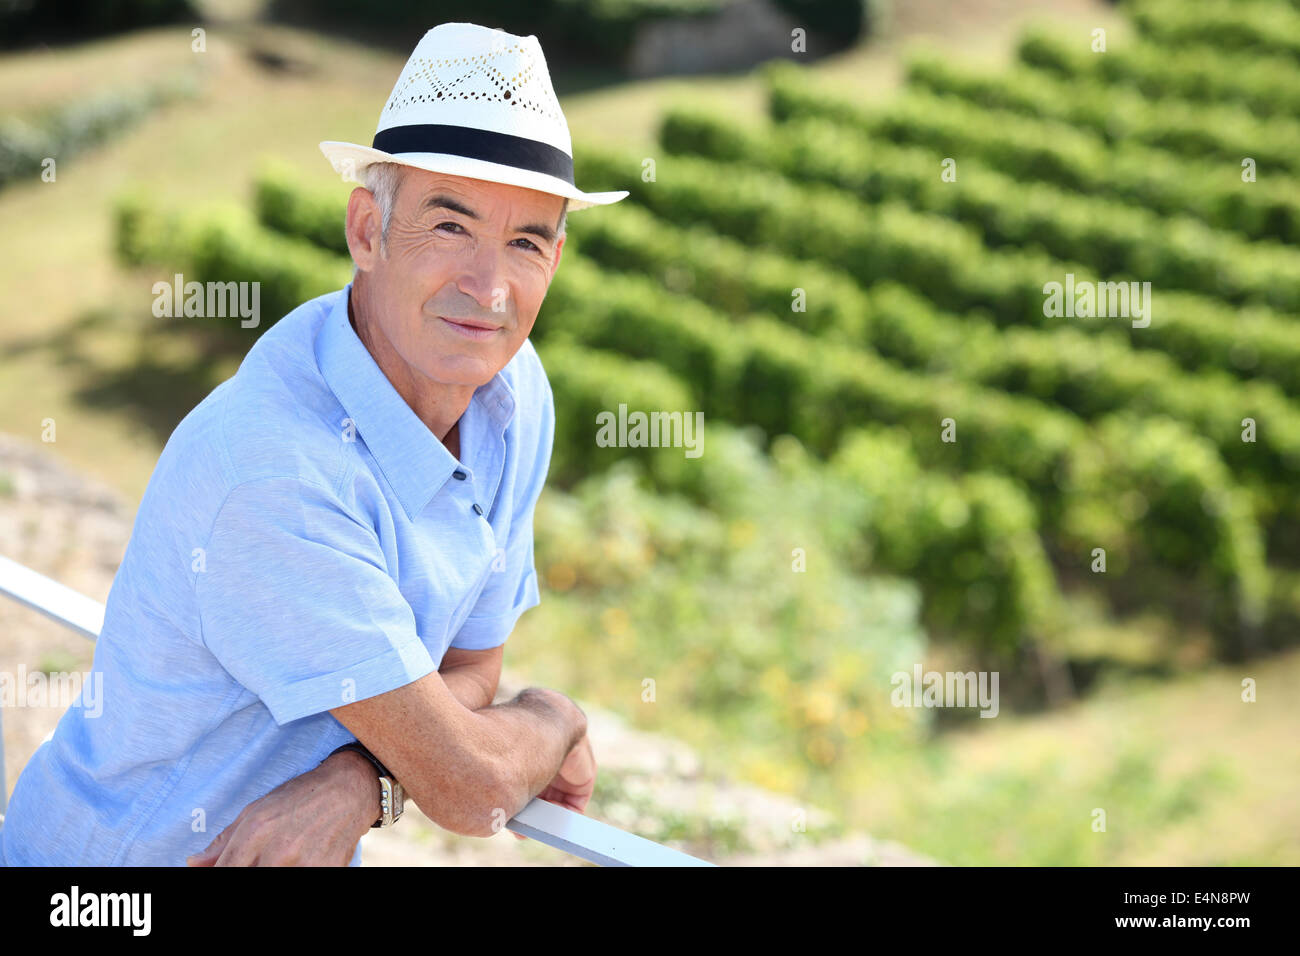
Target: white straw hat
pixel 477 102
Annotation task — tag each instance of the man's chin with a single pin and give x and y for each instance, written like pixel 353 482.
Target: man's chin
pixel 469 371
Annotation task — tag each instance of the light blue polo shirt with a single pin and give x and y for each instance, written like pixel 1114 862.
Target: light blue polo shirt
pixel 305 541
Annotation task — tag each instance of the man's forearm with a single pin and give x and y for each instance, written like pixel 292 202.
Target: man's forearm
pixel 531 736
pixel 467 687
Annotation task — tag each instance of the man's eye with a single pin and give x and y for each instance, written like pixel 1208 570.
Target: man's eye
pixel 530 242
pixel 453 224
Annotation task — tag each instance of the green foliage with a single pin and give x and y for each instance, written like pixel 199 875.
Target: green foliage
pixel 799 667
pixel 1118 115
pixel 971 542
pixel 77 127
pixel 733 277
pixel 1271 29
pixel 586 382
pixel 141 231
pixel 225 244
pixel 1205 73
pixel 1107 235
pixel 641 321
pixel 1056 153
pixel 884 242
pixel 317 215
pixel 868 242
pixel 760 371
pixel 1170 506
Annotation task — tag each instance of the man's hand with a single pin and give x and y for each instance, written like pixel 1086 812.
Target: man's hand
pixel 315 819
pixel 575 780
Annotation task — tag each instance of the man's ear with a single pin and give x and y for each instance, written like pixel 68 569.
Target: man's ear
pixel 555 263
pixel 364 228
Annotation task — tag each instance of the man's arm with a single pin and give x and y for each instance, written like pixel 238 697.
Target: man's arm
pixel 317 818
pixel 472 676
pixel 464 768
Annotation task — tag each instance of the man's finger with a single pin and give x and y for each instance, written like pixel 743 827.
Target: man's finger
pixel 246 843
pixel 208 856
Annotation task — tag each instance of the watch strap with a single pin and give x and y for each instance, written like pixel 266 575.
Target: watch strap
pixel 361 749
pixel 390 790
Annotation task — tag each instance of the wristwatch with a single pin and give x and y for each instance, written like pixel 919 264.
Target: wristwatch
pixel 391 795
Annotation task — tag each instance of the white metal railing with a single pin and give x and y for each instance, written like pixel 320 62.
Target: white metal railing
pixel 541 820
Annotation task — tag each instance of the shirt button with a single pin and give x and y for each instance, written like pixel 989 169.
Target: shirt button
pixel 477 509
pixel 458 475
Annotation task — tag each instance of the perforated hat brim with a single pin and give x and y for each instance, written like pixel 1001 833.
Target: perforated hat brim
pixel 353 159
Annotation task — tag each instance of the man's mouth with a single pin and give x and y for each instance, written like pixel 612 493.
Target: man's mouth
pixel 471 328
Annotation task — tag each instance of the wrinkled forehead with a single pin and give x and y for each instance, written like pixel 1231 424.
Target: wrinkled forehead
pixel 420 190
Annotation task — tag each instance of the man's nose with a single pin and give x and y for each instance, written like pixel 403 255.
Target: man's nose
pixel 481 277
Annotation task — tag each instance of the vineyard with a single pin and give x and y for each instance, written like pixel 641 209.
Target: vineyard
pixel 855 299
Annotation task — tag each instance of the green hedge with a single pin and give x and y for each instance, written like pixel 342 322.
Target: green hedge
pixel 1094 376
pixel 927 252
pixel 282 203
pixel 1156 496
pixel 732 277
pixel 970 541
pixel 586 382
pixel 81 125
pixel 1109 236
pixel 868 242
pixel 1268 29
pixel 1062 366
pixel 225 244
pixel 786 382
pixel 1057 153
pixel 1116 114
pixel 762 372
pixel 1206 73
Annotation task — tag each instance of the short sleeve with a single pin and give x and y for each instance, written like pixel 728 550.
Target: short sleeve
pixel 512 586
pixel 296 602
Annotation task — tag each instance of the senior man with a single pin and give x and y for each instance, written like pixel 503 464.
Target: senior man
pixel 337 542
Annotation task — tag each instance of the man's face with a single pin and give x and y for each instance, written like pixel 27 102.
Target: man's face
pixel 468 264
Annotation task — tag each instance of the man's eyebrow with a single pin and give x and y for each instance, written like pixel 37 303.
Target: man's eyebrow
pixel 541 230
pixel 447 202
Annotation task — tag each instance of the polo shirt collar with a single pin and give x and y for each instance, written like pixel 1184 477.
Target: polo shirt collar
pixel 414 462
